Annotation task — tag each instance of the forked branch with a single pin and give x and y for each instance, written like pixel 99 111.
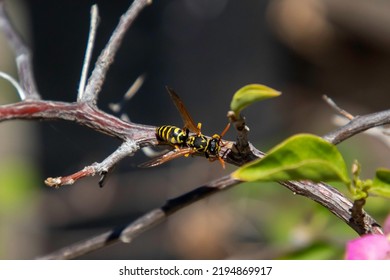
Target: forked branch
pixel 106 57
pixel 84 111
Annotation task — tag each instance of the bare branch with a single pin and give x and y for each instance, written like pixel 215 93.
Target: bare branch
pixel 108 238
pixel 106 58
pixel 70 179
pixel 357 125
pixel 129 232
pixel 22 56
pixel 336 203
pixel 128 148
pixel 82 114
pixel 88 52
pixel 380 133
pixel 322 193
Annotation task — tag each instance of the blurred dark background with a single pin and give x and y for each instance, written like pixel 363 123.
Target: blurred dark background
pixel 205 50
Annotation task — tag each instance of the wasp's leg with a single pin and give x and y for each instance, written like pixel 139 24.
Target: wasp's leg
pixel 221 161
pixel 199 126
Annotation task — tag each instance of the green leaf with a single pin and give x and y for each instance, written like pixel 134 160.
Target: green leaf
pixel 381 183
pixel 249 94
pixel 300 157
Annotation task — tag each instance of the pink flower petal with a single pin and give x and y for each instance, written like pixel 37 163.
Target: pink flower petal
pixel 368 247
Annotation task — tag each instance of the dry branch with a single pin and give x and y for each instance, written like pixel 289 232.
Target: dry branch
pixel 129 232
pixel 358 124
pixel 80 113
pixel 106 57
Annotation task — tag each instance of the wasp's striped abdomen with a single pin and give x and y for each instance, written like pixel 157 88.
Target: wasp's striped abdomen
pixel 171 135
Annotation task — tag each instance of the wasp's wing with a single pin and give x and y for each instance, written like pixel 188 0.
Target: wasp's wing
pixel 187 119
pixel 167 157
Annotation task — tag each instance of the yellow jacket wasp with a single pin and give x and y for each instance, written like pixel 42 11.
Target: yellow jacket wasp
pixel 184 143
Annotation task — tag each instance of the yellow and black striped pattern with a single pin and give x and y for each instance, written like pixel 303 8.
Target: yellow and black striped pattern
pixel 202 144
pixel 198 142
pixel 171 135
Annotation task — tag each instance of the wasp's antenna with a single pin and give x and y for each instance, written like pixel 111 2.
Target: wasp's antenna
pixel 225 130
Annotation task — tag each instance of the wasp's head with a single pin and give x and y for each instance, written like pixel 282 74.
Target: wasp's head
pixel 214 146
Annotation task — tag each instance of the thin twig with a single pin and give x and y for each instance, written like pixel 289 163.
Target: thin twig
pixel 88 52
pixel 106 57
pixel 18 88
pixel 337 108
pixel 358 124
pixel 380 132
pixel 22 56
pixel 127 148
